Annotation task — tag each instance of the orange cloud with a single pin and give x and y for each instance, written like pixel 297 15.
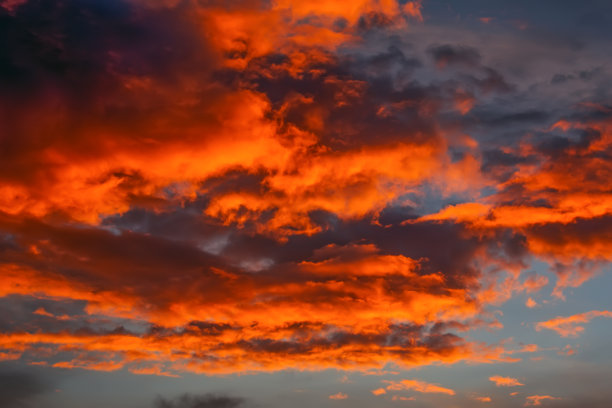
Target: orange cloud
pixel 400 398
pixel 413 9
pixel 505 381
pixel 536 400
pixel 570 326
pixel 419 386
pixel 185 121
pixel 335 309
pixel 379 391
pixel 234 350
pixel 208 128
pixel 338 396
pixel 558 203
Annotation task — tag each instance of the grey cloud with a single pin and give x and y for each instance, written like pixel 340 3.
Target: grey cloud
pixel 200 401
pixel 17 387
pixel 455 55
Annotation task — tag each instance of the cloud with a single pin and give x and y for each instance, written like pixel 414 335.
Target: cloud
pixel 419 386
pixel 400 398
pixel 448 55
pixel 200 401
pixel 338 396
pixel 570 326
pixel 560 213
pixel 17 387
pixel 536 400
pixel 216 187
pixel 399 305
pixel 505 381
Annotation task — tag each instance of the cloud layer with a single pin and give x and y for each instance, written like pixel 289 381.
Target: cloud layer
pixel 226 187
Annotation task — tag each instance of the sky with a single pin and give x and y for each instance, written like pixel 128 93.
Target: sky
pixel 272 203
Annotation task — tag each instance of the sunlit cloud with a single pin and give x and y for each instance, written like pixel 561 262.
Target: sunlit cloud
pixel 536 400
pixel 570 326
pixel 505 381
pixel 244 187
pixel 418 386
pixel 338 396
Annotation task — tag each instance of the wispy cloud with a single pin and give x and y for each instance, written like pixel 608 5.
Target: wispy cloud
pixel 570 326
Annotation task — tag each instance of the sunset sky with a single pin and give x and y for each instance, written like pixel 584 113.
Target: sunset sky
pixel 305 203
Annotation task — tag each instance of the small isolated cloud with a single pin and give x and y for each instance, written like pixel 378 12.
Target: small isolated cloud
pixel 338 396
pixel 505 381
pixel 379 391
pixel 567 351
pixel 530 303
pixel 570 326
pixel 483 399
pixel 536 400
pixel 200 401
pixel 399 398
pixel 419 386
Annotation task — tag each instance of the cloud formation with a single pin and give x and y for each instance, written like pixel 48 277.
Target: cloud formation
pixel 234 187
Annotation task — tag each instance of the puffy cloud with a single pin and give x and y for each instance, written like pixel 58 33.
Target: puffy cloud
pixel 344 306
pixel 505 381
pixel 551 194
pixel 266 183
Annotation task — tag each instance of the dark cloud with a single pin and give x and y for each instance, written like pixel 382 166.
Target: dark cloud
pixel 200 401
pixel 449 55
pixel 17 388
pixel 490 81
